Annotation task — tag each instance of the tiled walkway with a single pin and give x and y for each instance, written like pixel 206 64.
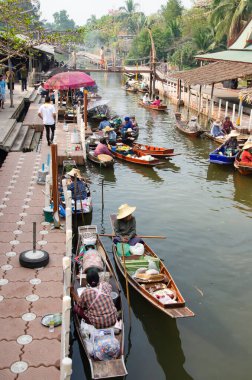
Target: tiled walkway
pixel 28 350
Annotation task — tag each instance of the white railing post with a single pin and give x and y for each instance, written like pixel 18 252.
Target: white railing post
pixel 47 191
pixel 66 261
pixel 250 121
pixel 69 199
pixel 66 367
pixel 226 109
pixel 69 237
pixel 66 308
pixel 68 218
pixel 233 114
pixel 219 110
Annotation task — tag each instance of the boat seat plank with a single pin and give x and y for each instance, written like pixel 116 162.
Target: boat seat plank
pixel 109 368
pixel 180 312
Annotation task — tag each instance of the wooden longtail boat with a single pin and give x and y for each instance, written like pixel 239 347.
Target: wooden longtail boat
pixel 148 288
pixel 219 140
pixel 109 368
pixel 161 108
pixel 243 168
pixel 135 158
pixel 153 150
pixel 222 156
pixel 182 127
pixel 103 160
pixel 130 89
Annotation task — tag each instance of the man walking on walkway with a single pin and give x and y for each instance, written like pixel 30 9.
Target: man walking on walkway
pixel 2 91
pixel 48 114
pixel 23 76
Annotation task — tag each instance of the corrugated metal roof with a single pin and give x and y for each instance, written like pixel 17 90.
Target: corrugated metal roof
pixel 214 73
pixel 228 55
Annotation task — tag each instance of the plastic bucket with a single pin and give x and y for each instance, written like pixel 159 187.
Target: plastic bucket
pixel 48 214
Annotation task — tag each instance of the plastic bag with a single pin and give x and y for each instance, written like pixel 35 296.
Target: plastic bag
pixel 152 264
pixel 105 345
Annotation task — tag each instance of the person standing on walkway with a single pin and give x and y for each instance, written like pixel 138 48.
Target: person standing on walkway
pixel 48 114
pixel 10 78
pixel 2 91
pixel 23 76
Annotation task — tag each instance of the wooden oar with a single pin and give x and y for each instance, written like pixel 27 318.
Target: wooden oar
pixel 140 236
pixel 126 280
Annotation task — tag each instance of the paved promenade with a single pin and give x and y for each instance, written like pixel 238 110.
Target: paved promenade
pixel 28 350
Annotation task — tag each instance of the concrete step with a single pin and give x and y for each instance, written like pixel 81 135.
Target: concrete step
pixel 28 139
pixel 5 130
pixel 35 140
pixel 33 96
pixel 18 144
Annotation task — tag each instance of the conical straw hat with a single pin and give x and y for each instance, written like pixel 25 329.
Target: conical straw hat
pixel 125 210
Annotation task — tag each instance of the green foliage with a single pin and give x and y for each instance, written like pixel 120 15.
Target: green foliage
pixel 172 10
pixel 62 21
pixel 130 7
pixel 183 57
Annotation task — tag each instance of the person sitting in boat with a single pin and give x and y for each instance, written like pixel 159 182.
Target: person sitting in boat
pixel 193 124
pixel 134 122
pixel 216 129
pixel 125 226
pixel 127 124
pixel 232 145
pixel 95 304
pixel 102 148
pixel 246 156
pixel 144 86
pixel 146 98
pixel 104 123
pixel 110 134
pixel 157 102
pixel 80 192
pixel 227 126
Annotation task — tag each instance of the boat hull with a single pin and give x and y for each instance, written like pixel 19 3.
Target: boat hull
pixel 153 151
pixel 135 160
pixel 243 168
pixel 162 108
pixel 182 127
pixel 175 310
pixel 97 161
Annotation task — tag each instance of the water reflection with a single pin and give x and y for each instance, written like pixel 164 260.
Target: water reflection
pixel 242 191
pixel 149 173
pixel 219 173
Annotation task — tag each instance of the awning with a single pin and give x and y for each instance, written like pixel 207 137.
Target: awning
pixel 214 73
pixel 244 56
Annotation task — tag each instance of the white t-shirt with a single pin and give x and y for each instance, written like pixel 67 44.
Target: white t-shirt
pixel 47 110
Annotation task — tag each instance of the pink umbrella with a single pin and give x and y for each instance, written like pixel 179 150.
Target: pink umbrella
pixel 68 80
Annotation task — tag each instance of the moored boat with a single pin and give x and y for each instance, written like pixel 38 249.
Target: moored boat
pixel 182 126
pixel 222 155
pixel 220 139
pixel 130 89
pixel 159 289
pixel 243 168
pixel 161 108
pixel 103 160
pixel 153 150
pixel 90 337
pixel 125 153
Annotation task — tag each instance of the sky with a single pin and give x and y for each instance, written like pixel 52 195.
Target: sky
pixel 81 10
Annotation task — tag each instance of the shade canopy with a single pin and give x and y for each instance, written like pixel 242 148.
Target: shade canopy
pixel 69 80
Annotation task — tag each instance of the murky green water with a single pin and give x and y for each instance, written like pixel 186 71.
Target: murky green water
pixel 205 211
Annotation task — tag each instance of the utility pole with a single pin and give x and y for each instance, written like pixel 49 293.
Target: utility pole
pixel 153 64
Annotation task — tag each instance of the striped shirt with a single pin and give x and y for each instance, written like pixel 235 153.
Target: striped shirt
pixel 101 311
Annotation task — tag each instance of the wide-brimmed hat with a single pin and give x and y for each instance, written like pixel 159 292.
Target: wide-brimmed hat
pixel 217 122
pixel 234 133
pixel 129 130
pixel 247 145
pixel 108 129
pixel 74 172
pixel 125 210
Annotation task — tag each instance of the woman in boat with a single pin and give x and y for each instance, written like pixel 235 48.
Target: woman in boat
pixel 146 98
pixel 216 129
pixel 95 305
pixel 246 156
pixel 157 102
pixel 125 226
pixel 104 123
pixel 102 148
pixel 232 144
pixel 193 124
pixel 227 126
pixel 110 134
pixel 80 192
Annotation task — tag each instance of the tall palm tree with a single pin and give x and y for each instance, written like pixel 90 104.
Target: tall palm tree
pixel 229 17
pixel 130 7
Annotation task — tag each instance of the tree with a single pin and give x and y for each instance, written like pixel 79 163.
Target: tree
pixel 172 10
pixel 130 7
pixel 62 21
pixel 229 17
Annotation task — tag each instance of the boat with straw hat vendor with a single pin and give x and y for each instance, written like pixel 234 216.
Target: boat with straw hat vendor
pixel 80 191
pixel 125 226
pixel 246 156
pixel 110 134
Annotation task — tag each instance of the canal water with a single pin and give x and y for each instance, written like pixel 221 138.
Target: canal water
pixel 205 211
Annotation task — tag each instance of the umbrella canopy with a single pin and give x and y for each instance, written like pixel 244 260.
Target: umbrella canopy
pixel 69 80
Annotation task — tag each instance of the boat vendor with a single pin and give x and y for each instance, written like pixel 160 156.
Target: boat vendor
pixel 110 134
pixel 95 305
pixel 232 143
pixel 125 226
pixel 127 124
pixel 80 192
pixel 157 102
pixel 246 156
pixel 216 129
pixel 146 98
pixel 102 148
pixel 193 124
pixel 227 125
pixel 104 123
